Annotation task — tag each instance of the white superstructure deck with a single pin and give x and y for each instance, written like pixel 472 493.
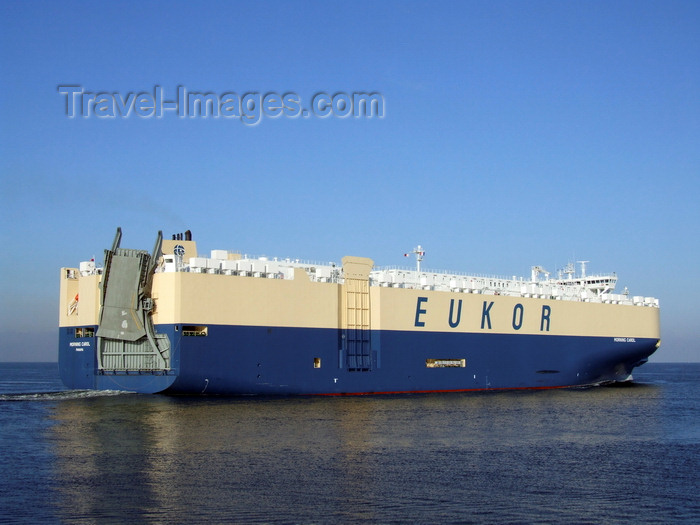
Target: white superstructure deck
pixel 594 288
pixel 567 286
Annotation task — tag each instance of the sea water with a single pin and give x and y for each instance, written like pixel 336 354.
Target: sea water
pixel 626 454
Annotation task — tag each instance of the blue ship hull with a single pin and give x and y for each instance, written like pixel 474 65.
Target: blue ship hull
pixel 245 360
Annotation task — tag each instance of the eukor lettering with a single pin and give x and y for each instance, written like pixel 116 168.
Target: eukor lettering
pixel 455 315
pixel 546 311
pixel 517 316
pixel 420 311
pixel 486 315
pixel 455 324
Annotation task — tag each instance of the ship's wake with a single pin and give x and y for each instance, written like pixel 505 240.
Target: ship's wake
pixel 61 395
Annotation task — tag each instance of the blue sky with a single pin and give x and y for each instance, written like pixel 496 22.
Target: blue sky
pixel 514 134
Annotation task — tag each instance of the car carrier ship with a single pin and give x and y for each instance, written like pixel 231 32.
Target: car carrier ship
pixel 177 322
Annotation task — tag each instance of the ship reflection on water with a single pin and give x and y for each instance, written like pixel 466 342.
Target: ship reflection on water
pixel 425 458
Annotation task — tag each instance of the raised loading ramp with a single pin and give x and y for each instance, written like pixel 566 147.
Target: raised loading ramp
pixel 126 338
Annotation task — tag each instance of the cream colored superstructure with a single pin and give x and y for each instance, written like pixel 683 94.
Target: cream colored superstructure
pixel 288 293
pixel 396 309
pixel 79 298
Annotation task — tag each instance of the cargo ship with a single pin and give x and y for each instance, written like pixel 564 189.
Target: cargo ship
pixel 178 322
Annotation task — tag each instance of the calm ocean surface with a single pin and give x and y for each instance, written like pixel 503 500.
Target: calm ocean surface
pixel 600 455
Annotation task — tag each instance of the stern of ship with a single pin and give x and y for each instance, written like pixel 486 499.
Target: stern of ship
pixel 121 350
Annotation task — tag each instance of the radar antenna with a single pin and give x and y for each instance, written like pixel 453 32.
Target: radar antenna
pixel 583 267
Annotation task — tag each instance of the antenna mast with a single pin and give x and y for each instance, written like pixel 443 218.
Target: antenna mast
pixel 419 253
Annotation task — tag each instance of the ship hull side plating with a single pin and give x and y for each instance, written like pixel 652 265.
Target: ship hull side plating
pixel 245 360
pixel 79 370
pixel 280 361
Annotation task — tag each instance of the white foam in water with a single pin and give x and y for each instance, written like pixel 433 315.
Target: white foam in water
pixel 62 396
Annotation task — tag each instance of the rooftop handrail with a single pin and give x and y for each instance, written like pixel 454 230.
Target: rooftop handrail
pixel 445 272
pixel 304 262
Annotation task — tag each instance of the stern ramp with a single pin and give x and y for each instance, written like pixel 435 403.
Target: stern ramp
pixel 130 354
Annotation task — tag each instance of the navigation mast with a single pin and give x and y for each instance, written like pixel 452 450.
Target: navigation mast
pixel 419 253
